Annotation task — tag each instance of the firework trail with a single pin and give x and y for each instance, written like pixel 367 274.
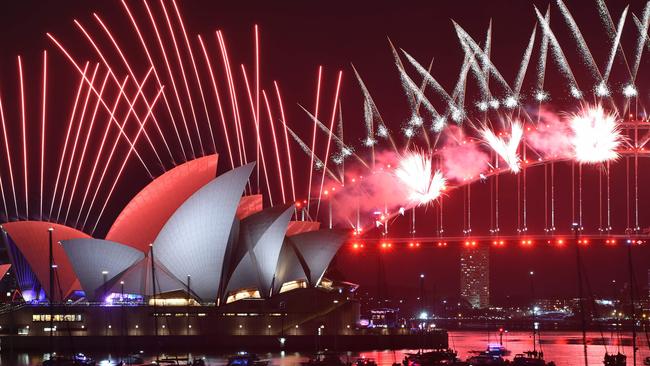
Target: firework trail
pixel 132 75
pixel 151 64
pixel 469 44
pixel 558 54
pixel 582 44
pixel 339 141
pixel 541 63
pixel 523 67
pixel 507 150
pixel 317 162
pixel 615 45
pixel 429 79
pixel 458 93
pixel 641 41
pixel 313 137
pixel 476 70
pixel 414 92
pixel 286 139
pixel 24 131
pixel 370 111
pixel 329 139
pixel 126 159
pixel 487 50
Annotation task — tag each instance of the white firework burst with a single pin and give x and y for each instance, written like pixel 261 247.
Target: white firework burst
pixel 416 173
pixel 507 150
pixel 596 135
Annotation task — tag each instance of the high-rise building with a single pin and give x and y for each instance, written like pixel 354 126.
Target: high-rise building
pixel 475 275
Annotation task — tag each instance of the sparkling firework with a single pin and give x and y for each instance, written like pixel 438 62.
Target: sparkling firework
pixel 596 136
pixel 415 172
pixel 507 150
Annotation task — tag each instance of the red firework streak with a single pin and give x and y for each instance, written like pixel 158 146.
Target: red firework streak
pixel 257 129
pixel 119 173
pixel 42 133
pixel 113 120
pixel 286 141
pixel 155 72
pixel 23 122
pixel 196 72
pixel 180 63
pixel 67 137
pixel 313 137
pixel 216 93
pixel 11 170
pixel 101 149
pixel 329 140
pixel 110 157
pixel 275 144
pixel 85 146
pixel 171 76
pixel 106 63
pixel 233 99
pixel 76 140
pixel 132 74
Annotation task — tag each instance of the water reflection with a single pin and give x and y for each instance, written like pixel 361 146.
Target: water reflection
pixel 565 348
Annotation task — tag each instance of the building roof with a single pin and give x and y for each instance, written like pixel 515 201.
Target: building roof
pixel 138 279
pixel 99 262
pixel 144 216
pixel 317 249
pixel 257 251
pixel 31 238
pixel 194 239
pixel 290 267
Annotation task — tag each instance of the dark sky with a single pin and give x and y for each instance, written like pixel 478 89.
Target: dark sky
pixel 297 37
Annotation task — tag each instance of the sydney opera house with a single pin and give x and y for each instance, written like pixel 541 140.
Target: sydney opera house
pixel 189 255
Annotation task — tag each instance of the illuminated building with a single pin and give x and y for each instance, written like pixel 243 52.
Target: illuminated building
pixel 214 260
pixel 475 275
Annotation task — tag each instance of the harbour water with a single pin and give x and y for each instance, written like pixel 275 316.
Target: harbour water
pixel 564 348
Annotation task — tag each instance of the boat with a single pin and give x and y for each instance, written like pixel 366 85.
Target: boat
pixel 486 359
pixel 531 358
pixel 246 359
pixel 326 358
pixel 495 350
pixel 618 359
pixel 434 357
pixel 78 359
pixel 366 362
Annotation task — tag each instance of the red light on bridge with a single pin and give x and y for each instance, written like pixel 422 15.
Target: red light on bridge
pixel 527 242
pixel 498 243
pixel 560 242
pixel 386 245
pixel 583 241
pixel 470 244
pixel 442 244
pixel 610 242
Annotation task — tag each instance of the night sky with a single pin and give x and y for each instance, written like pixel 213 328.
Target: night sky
pixel 297 37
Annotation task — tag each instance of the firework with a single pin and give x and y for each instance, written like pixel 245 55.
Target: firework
pixel 596 135
pixel 415 172
pixel 507 150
